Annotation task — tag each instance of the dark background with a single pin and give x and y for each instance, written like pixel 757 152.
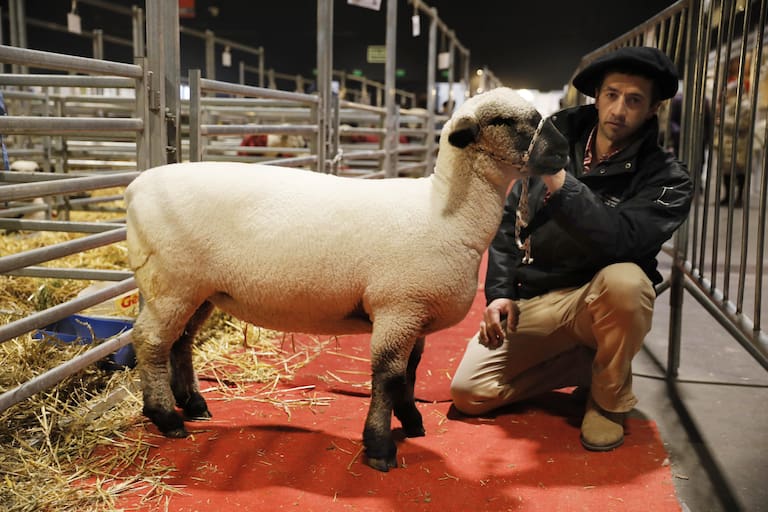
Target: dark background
pixel 526 44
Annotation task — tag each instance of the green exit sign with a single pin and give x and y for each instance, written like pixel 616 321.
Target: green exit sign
pixel 399 73
pixel 444 73
pixel 357 72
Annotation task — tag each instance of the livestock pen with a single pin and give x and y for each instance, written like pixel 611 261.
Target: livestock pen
pixel 287 407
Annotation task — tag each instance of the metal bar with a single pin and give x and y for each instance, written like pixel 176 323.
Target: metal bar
pixel 354 155
pixel 88 274
pixel 137 22
pixel 324 56
pixel 156 82
pixel 195 117
pixel 171 72
pixel 67 81
pixel 391 121
pixel 763 201
pixel 210 55
pixel 21 13
pixel 720 80
pixel 361 106
pixel 141 110
pixel 108 6
pixel 57 27
pixel 732 161
pixel 66 125
pixel 42 318
pixel 259 106
pixel 59 373
pixel 57 225
pixel 23 210
pixel 50 60
pixel 752 113
pixel 292 162
pixel 431 92
pixel 84 201
pixel 65 186
pixel 25 95
pixel 677 278
pixel 249 90
pixel 59 250
pixel 242 129
pixel 261 66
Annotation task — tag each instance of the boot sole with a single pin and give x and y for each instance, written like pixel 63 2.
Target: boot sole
pixel 601 447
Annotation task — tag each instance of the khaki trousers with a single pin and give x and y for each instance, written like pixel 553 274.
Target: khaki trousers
pixel 583 336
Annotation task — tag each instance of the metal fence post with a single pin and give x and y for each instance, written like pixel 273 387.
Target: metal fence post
pixel 324 68
pixel 162 56
pixel 431 92
pixel 195 142
pixel 391 119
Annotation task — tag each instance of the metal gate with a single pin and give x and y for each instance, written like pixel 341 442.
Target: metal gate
pixel 719 252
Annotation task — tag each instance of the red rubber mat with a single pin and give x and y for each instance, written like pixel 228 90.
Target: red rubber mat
pixel 258 456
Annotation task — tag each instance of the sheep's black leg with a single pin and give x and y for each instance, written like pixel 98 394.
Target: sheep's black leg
pixel 184 382
pixel 153 335
pixel 380 449
pixel 404 404
pixel 391 345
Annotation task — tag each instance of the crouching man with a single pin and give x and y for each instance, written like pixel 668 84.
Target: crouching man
pixel 577 312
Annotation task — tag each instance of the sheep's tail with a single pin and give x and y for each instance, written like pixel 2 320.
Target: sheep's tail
pixel 138 249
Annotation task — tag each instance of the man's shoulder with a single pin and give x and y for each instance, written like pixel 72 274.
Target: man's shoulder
pixel 573 122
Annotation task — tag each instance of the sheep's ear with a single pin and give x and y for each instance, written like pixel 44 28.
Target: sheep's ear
pixel 465 130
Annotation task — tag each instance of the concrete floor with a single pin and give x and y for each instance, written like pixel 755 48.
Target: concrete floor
pixel 713 419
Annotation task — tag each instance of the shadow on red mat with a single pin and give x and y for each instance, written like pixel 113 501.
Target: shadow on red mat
pixel 255 458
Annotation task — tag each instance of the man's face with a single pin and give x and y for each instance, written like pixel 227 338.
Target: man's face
pixel 623 104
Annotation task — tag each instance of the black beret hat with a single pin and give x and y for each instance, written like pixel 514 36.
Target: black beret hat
pixel 649 61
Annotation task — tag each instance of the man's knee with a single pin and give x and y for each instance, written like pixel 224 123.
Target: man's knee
pixel 469 400
pixel 626 286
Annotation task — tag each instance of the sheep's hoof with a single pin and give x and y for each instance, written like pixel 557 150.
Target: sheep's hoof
pixel 196 409
pixel 202 416
pixel 414 431
pixel 169 422
pixel 177 433
pixel 382 465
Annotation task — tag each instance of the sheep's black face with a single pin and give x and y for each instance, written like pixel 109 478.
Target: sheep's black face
pixel 521 130
pixel 548 152
pixel 498 123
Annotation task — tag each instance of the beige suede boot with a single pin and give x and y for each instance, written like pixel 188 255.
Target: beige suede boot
pixel 601 431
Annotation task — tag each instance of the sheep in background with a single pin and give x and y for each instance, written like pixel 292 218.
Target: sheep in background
pixel 282 141
pixel 30 166
pixel 299 251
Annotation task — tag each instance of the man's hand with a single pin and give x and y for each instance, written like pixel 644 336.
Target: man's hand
pixel 495 318
pixel 554 182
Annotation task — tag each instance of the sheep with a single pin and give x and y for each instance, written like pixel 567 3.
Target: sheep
pixel 31 166
pixel 299 251
pixel 280 142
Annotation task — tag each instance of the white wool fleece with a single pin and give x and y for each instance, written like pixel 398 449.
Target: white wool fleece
pixel 298 250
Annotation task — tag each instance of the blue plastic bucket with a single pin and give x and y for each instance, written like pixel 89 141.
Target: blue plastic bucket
pixel 84 329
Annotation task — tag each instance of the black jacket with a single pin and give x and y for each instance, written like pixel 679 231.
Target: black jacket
pixel 622 211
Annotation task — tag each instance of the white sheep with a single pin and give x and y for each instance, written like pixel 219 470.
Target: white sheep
pixel 30 166
pixel 299 251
